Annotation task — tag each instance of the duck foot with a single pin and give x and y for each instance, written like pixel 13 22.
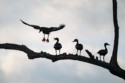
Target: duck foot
pixel 47 40
pixel 44 39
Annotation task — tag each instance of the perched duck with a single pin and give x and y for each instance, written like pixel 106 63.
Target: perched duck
pixel 45 30
pixel 103 52
pixel 78 46
pixel 57 45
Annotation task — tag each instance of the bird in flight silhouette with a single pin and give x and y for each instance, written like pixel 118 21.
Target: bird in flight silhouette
pixel 78 46
pixel 57 45
pixel 103 52
pixel 45 30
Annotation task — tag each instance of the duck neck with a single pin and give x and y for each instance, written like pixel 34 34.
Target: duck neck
pixel 105 47
pixel 77 42
pixel 57 41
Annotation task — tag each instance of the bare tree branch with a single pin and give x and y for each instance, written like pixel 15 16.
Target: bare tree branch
pixel 33 55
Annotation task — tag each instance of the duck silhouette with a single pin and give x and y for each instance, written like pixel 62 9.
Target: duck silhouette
pixel 78 46
pixel 45 30
pixel 103 52
pixel 57 45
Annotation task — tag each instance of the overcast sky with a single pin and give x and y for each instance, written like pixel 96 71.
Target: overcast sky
pixel 90 21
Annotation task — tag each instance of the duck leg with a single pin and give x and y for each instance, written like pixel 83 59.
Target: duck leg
pixel 80 52
pixel 56 52
pixel 100 57
pixel 103 59
pixel 59 52
pixel 47 40
pixel 43 38
pixel 77 52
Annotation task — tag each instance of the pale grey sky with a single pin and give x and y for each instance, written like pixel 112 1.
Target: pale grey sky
pixel 88 20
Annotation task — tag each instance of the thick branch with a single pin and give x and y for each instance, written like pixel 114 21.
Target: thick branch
pixel 32 55
pixel 116 39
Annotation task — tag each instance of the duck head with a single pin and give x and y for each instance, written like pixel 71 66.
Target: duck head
pixel 56 38
pixel 75 40
pixel 106 44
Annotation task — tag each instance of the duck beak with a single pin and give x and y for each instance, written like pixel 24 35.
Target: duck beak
pixel 54 38
pixel 62 25
pixel 73 41
pixel 108 44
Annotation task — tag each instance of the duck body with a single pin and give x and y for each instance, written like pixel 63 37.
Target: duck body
pixel 48 30
pixel 78 46
pixel 102 52
pixel 45 30
pixel 57 45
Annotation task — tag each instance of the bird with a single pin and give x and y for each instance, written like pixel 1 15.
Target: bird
pixel 45 30
pixel 57 45
pixel 103 52
pixel 78 46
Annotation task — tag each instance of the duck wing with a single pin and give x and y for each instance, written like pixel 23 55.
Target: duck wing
pixel 79 46
pixel 57 46
pixel 56 28
pixel 34 26
pixel 102 52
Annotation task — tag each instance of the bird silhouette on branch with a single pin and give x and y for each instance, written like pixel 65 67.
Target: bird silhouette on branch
pixel 103 52
pixel 57 45
pixel 78 46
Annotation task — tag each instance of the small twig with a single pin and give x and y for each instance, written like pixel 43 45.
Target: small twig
pixel 90 54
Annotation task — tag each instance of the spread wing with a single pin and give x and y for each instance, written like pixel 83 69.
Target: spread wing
pixel 34 26
pixel 56 28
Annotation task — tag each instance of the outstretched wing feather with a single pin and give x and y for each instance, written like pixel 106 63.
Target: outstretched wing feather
pixel 56 28
pixel 34 26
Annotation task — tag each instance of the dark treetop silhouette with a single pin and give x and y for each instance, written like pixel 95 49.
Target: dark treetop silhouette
pixel 103 52
pixel 78 46
pixel 57 45
pixel 112 66
pixel 45 30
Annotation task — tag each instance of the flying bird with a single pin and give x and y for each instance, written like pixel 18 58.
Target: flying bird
pixel 78 46
pixel 103 52
pixel 45 30
pixel 57 45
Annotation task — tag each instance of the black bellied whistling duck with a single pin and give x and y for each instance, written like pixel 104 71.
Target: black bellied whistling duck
pixel 103 52
pixel 45 30
pixel 57 45
pixel 78 46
